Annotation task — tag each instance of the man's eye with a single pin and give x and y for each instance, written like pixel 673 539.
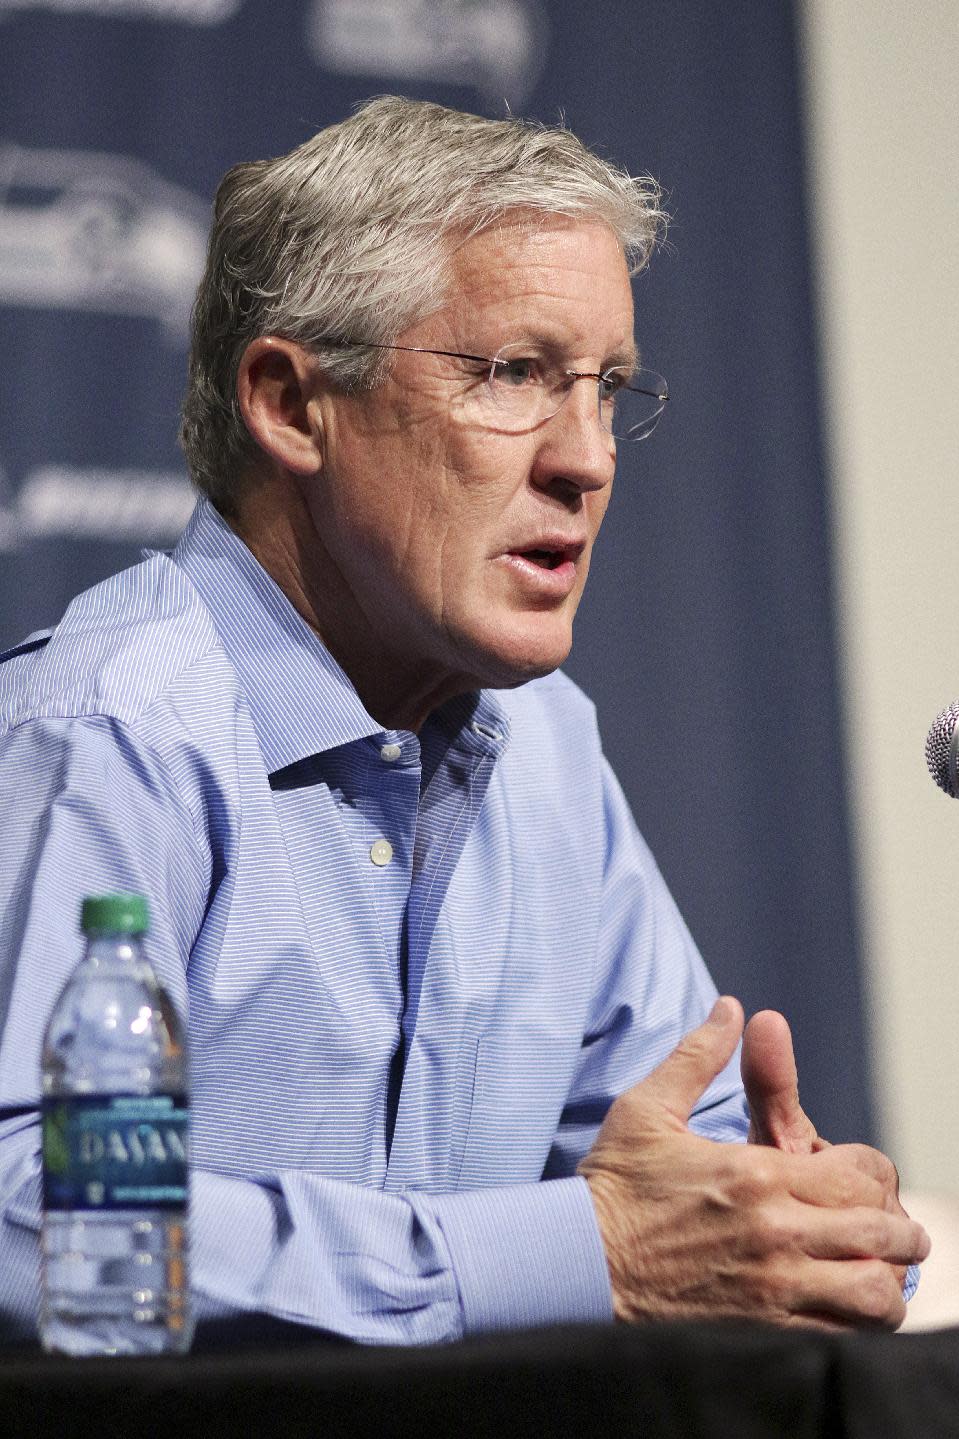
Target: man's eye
pixel 514 373
pixel 610 384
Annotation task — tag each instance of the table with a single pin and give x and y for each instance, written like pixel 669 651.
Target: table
pixel 732 1381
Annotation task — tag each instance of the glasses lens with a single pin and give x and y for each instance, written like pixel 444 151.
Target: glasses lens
pixel 631 402
pixel 521 389
pixel 517 390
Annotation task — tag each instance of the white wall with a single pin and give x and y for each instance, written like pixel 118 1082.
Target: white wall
pixel 882 80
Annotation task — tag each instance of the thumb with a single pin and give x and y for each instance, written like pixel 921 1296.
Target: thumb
pixel 676 1084
pixel 772 1086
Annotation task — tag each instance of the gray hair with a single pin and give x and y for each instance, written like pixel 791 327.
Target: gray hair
pixel 349 236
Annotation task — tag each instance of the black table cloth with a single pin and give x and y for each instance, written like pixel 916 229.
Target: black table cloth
pixel 727 1380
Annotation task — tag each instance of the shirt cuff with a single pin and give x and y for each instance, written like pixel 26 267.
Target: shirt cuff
pixel 526 1255
pixel 233 1236
pixel 911 1283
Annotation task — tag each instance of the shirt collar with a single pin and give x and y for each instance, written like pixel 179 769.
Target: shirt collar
pixel 300 699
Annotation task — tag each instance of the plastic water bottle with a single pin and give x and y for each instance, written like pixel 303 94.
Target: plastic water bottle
pixel 114 1243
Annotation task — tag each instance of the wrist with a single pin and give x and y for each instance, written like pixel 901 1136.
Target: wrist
pixel 610 1211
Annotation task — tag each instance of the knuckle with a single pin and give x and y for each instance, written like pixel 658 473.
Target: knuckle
pixel 775 1233
pixel 853 1185
pixel 878 1295
pixel 755 1181
pixel 875 1164
pixel 874 1232
pixel 693 1050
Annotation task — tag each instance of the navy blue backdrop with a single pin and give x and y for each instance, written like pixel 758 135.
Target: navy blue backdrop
pixel 706 635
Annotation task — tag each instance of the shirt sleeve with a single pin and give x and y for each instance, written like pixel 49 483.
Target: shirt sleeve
pixel 377 1268
pixel 651 988
pixel 84 807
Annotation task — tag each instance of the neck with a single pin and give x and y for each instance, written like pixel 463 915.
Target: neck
pixel 396 692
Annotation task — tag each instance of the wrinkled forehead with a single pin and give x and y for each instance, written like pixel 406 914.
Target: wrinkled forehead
pixel 562 279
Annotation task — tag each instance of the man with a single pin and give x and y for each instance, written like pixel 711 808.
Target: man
pixel 421 943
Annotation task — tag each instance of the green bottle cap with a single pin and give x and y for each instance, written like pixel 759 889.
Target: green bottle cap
pixel 114 914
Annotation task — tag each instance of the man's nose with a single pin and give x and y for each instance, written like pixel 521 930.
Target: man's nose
pixel 575 446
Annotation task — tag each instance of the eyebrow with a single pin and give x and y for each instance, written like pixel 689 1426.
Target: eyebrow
pixel 626 357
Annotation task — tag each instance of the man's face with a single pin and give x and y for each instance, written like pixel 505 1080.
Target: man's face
pixel 461 551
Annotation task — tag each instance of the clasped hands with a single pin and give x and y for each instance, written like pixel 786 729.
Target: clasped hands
pixel 787 1228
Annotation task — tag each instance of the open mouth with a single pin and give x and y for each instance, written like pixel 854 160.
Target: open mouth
pixel 556 566
pixel 546 559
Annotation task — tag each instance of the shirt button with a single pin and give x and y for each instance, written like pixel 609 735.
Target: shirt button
pixel 390 752
pixel 381 852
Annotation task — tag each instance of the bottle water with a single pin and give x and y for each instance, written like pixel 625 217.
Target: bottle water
pixel 114 1242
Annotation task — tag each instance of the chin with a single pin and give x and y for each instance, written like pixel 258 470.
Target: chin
pixel 514 658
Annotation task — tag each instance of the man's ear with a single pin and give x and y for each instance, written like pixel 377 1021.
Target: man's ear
pixel 276 382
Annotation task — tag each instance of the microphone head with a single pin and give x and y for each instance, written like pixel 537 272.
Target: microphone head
pixel 942 750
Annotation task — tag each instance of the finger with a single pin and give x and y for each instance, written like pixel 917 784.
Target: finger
pixel 676 1084
pixel 851 1292
pixel 772 1086
pixel 874 1163
pixel 862 1234
pixel 834 1180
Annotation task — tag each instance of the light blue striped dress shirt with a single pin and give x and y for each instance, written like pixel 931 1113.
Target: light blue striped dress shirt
pixel 416 968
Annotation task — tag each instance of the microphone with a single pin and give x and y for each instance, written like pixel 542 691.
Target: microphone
pixel 942 750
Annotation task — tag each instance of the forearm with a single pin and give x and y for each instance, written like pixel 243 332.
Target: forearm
pixel 373 1267
pixel 406 1268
